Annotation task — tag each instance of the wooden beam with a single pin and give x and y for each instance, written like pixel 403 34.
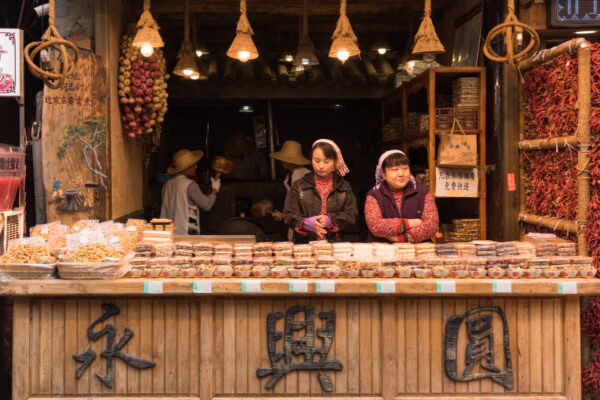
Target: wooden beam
pixel 549 222
pixel 353 71
pixel 315 74
pixel 282 73
pixel 386 68
pixel 335 71
pixel 546 55
pixel 370 69
pixel 213 68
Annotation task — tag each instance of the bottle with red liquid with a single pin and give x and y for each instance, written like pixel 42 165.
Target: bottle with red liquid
pixel 12 174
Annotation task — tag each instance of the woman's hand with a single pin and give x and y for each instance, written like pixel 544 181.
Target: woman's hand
pixel 277 215
pixel 393 239
pixel 413 223
pixel 320 224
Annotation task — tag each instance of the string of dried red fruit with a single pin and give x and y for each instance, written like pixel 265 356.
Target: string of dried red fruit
pixel 142 89
pixel 590 326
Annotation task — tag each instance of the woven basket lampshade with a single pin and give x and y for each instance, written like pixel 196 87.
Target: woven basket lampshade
pixel 147 37
pixel 426 40
pixel 243 47
pixel 305 52
pixel 186 58
pixel 344 43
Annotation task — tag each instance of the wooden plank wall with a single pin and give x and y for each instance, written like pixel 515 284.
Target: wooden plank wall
pixel 212 347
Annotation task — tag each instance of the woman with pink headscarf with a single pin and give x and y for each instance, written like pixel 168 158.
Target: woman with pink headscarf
pixel 398 209
pixel 321 204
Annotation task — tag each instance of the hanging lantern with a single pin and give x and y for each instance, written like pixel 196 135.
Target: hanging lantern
pixel 344 43
pixel 243 47
pixel 305 53
pixel 186 58
pixel 147 37
pixel 426 40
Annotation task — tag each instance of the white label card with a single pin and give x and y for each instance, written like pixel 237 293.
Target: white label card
pixel 202 286
pixel 325 286
pixel 153 287
pixel 251 286
pixel 567 287
pixel 501 286
pixel 386 287
pixel 446 286
pixel 299 286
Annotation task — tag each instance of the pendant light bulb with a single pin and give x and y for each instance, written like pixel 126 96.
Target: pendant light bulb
pixel 147 49
pixel 199 53
pixel 343 55
pixel 382 51
pixel 188 72
pixel 243 55
pixel 289 58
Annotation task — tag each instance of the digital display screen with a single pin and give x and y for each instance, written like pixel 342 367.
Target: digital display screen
pixel 574 13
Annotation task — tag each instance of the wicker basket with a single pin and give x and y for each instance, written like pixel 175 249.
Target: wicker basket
pixel 104 270
pixel 27 271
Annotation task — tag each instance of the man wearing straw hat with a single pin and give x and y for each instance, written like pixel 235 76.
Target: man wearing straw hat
pixel 182 197
pixel 292 161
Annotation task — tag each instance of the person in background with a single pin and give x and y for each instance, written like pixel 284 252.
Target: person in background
pixel 292 161
pixel 182 197
pixel 398 209
pixel 321 204
pixel 249 163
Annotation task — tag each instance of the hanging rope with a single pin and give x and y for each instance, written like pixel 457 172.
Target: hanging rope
pixel 507 29
pixel 52 41
pixel 146 5
pixel 304 19
pixel 343 27
pixel 186 21
pixel 243 24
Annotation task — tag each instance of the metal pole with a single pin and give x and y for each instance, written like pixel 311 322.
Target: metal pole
pixel 36 148
pixel 273 171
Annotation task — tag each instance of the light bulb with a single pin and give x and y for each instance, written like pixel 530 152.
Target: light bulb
pixel 590 32
pixel 243 55
pixel 519 39
pixel 382 51
pixel 411 64
pixel 195 76
pixel 199 53
pixel 289 58
pixel 147 49
pixel 305 61
pixel 343 55
pixel 299 68
pixel 188 71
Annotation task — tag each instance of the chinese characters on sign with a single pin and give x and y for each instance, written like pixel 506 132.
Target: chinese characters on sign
pixel 11 62
pixel 73 92
pixel 480 348
pixel 456 182
pixel 314 358
pixel 111 351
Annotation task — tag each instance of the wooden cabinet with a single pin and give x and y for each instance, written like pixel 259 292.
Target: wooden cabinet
pixel 428 95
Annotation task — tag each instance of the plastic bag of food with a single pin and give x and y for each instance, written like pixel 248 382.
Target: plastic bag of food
pixel 108 269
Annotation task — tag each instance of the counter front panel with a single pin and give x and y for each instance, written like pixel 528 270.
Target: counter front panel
pixel 364 348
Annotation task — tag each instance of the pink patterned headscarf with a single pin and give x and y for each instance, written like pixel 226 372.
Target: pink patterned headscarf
pixel 340 165
pixel 379 171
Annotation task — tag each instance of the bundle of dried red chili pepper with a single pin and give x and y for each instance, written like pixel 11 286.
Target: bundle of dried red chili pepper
pixel 592 231
pixel 590 326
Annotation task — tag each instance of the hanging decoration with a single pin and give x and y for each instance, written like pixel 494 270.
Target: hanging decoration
pixel 345 43
pixel 147 37
pixel 426 40
pixel 142 89
pixel 511 28
pixel 186 58
pixel 305 53
pixel 52 74
pixel 242 47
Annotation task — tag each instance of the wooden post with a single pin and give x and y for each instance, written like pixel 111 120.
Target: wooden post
pixel 584 142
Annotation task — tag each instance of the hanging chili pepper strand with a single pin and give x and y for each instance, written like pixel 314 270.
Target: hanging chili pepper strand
pixel 590 326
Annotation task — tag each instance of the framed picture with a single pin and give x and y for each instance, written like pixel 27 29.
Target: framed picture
pixel 11 62
pixel 467 39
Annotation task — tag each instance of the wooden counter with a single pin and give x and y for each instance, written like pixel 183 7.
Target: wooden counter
pixel 405 338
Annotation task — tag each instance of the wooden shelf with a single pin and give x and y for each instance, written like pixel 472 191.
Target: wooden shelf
pixel 431 80
pixel 281 287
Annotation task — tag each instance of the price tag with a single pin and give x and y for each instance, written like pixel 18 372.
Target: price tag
pixel 325 286
pixel 446 286
pixel 299 286
pixel 251 286
pixel 386 287
pixel 501 286
pixel 153 287
pixel 567 287
pixel 202 286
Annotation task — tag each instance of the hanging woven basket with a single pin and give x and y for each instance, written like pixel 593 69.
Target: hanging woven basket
pixel 243 39
pixel 426 39
pixel 343 37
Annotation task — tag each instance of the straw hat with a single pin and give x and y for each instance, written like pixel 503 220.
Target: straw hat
pixel 184 159
pixel 291 152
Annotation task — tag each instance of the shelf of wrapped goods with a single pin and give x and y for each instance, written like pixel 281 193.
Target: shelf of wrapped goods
pixel 313 287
